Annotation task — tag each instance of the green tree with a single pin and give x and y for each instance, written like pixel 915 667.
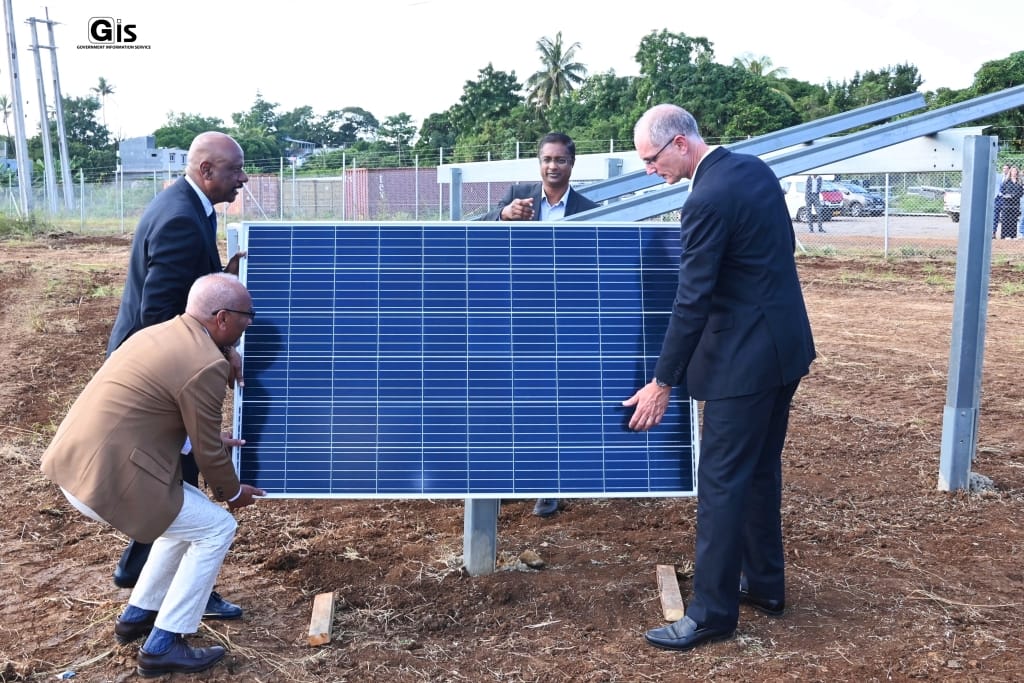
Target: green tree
pixel 759 66
pixel 728 102
pixel 995 76
pixel 261 119
pixel 559 74
pixel 489 98
pixel 436 135
pixel 5 110
pixel 762 67
pixel 257 133
pixel 102 89
pixel 666 59
pixel 397 133
pixel 299 124
pixel 518 132
pixel 604 108
pixel 90 149
pixel 356 123
pixel 181 129
pixel 877 86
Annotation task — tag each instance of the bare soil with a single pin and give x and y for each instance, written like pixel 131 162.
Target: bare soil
pixel 889 579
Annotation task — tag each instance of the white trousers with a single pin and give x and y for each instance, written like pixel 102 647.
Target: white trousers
pixel 183 563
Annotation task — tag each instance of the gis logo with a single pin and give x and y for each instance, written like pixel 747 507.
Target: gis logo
pixel 106 30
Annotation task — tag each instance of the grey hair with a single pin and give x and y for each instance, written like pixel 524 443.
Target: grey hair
pixel 665 121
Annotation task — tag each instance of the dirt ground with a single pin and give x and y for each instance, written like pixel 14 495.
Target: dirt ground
pixel 888 578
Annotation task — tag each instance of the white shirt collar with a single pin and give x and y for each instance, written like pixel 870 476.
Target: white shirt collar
pixel 207 205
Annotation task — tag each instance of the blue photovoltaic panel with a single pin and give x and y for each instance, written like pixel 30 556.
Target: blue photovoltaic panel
pixel 458 360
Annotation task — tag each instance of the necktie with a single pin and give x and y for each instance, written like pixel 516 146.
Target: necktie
pixel 213 222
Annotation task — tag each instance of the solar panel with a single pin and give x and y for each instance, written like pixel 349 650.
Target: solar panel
pixel 458 360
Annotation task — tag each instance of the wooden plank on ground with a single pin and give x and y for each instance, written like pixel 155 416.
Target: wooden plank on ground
pixel 668 586
pixel 323 619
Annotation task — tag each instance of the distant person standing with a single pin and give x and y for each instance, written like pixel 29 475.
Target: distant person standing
pixel 998 205
pixel 1012 191
pixel 174 244
pixel 812 201
pixel 551 199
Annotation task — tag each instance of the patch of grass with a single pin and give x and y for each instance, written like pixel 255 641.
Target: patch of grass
pixel 23 228
pixel 1011 288
pixel 103 291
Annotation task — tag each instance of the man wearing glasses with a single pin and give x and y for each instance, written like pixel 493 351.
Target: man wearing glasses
pixel 549 200
pixel 739 340
pixel 175 243
pixel 116 457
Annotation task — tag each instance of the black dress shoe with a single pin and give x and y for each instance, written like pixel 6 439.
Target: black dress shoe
pixel 685 634
pixel 127 631
pixel 773 608
pixel 179 659
pixel 219 608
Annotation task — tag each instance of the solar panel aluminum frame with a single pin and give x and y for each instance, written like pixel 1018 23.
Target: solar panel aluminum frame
pixel 461 360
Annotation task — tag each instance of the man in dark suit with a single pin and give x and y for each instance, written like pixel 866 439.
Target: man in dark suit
pixel 551 199
pixel 738 339
pixel 174 244
pixel 117 458
pixel 812 201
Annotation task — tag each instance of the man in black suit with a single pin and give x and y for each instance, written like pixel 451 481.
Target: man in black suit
pixel 174 244
pixel 812 201
pixel 551 199
pixel 738 339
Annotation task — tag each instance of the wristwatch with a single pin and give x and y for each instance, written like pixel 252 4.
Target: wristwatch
pixel 661 384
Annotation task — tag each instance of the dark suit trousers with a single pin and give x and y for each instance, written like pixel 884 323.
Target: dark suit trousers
pixel 135 555
pixel 739 500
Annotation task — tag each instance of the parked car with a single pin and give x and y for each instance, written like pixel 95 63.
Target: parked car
pixel 860 201
pixel 831 198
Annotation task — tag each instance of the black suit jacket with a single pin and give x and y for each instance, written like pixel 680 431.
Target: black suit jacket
pixel 574 203
pixel 739 324
pixel 173 245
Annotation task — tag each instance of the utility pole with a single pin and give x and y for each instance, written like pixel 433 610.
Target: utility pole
pixel 65 159
pixel 20 143
pixel 44 124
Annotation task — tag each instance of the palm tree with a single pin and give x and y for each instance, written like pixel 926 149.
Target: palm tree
pixel 559 75
pixel 759 66
pixel 5 111
pixel 103 89
pixel 763 68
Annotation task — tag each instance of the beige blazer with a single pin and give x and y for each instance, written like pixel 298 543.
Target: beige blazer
pixel 118 450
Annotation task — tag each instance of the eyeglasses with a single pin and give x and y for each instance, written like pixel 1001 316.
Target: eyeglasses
pixel 251 313
pixel 653 160
pixel 557 161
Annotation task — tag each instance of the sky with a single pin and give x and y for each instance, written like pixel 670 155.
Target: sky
pixel 414 56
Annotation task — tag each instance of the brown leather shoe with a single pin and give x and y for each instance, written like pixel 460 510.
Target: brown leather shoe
pixel 179 659
pixel 128 631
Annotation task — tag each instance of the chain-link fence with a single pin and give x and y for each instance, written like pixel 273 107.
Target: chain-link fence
pixel 892 214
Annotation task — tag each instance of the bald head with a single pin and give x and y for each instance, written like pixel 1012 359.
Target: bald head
pixel 215 164
pixel 222 304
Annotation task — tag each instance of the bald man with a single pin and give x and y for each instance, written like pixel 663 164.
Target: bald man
pixel 175 243
pixel 117 458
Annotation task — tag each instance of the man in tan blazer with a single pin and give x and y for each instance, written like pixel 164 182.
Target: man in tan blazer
pixel 117 458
